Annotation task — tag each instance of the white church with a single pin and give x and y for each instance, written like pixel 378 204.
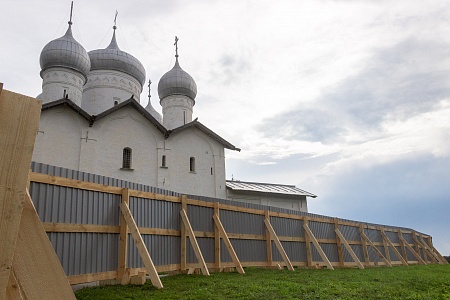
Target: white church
pixel 92 121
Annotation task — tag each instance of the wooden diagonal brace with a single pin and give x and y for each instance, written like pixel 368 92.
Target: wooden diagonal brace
pixel 317 245
pixel 280 248
pixel 393 248
pixel 416 255
pixel 194 243
pixel 364 236
pixel 349 249
pixel 140 245
pixel 228 244
pixel 430 251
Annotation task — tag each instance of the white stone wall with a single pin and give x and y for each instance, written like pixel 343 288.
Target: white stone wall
pixel 57 83
pixel 66 140
pixel 288 202
pixel 104 88
pixel 177 110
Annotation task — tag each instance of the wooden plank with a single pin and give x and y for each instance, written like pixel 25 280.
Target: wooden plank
pixel 268 242
pixel 364 245
pixel 123 241
pixel 14 291
pixel 216 238
pixel 317 245
pixel 425 252
pixel 228 244
pixel 35 264
pixel 307 245
pixel 278 244
pixel 399 256
pixel 430 245
pixel 416 255
pixel 385 245
pixel 183 236
pixel 19 121
pixel 402 246
pixel 339 244
pixel 349 249
pixel 140 245
pixel 194 243
pixel 430 251
pixel 387 262
pixel 67 227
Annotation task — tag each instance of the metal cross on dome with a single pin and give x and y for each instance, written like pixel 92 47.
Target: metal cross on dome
pixel 176 46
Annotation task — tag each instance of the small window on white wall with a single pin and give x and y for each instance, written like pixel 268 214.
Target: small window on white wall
pixel 192 164
pixel 163 161
pixel 126 161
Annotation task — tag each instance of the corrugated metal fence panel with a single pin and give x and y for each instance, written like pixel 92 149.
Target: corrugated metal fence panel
pixel 408 237
pixel 206 247
pixel 350 233
pixel 155 213
pixel 392 236
pixel 287 227
pixel 374 235
pixel 164 250
pixel 250 250
pixel 373 256
pixel 239 222
pixel 83 253
pixel 296 251
pixel 201 218
pixel 357 249
pixel 322 230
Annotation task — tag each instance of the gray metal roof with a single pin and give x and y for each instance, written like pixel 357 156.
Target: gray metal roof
pixel 267 188
pixel 65 52
pixel 112 58
pixel 177 82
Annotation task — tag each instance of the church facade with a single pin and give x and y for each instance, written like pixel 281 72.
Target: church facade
pixel 92 121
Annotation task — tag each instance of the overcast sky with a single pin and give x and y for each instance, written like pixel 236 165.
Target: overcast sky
pixel 349 100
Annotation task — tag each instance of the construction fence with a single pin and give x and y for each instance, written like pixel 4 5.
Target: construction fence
pixel 108 229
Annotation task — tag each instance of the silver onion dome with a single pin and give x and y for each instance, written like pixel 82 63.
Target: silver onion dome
pixel 112 58
pixel 177 82
pixel 65 52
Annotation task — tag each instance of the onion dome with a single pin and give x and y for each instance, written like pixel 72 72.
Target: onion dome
pixel 65 52
pixel 112 58
pixel 177 82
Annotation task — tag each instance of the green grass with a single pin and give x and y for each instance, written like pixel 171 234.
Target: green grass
pixel 413 282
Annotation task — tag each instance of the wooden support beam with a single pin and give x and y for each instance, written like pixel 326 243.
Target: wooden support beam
pixel 36 266
pixel 194 243
pixel 339 245
pixel 402 245
pixel 123 241
pixel 307 245
pixel 317 245
pixel 385 245
pixel 416 255
pixel 268 241
pixel 280 248
pixel 228 244
pixel 364 245
pixel 183 235
pixel 349 249
pixel 387 262
pixel 140 245
pixel 216 239
pixel 388 241
pixel 430 251
pixel 430 245
pixel 426 254
pixel 19 121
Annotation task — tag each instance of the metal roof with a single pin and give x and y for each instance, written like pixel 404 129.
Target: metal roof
pixel 267 188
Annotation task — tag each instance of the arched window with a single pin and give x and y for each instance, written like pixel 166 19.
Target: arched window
pixel 126 162
pixel 163 161
pixel 192 164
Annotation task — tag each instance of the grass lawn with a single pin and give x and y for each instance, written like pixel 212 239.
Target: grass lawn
pixel 413 282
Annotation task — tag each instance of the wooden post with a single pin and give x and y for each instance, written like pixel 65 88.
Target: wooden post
pixel 19 121
pixel 385 245
pixel 432 254
pixel 388 241
pixel 123 241
pixel 183 236
pixel 317 245
pixel 364 245
pixel 217 263
pixel 307 244
pixel 339 244
pixel 419 259
pixel 278 244
pixel 140 245
pixel 386 261
pixel 268 242
pixel 228 244
pixel 402 245
pixel 416 245
pixel 430 245
pixel 349 249
pixel 424 251
pixel 194 243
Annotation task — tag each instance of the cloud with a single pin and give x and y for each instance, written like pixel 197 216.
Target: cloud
pixel 396 83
